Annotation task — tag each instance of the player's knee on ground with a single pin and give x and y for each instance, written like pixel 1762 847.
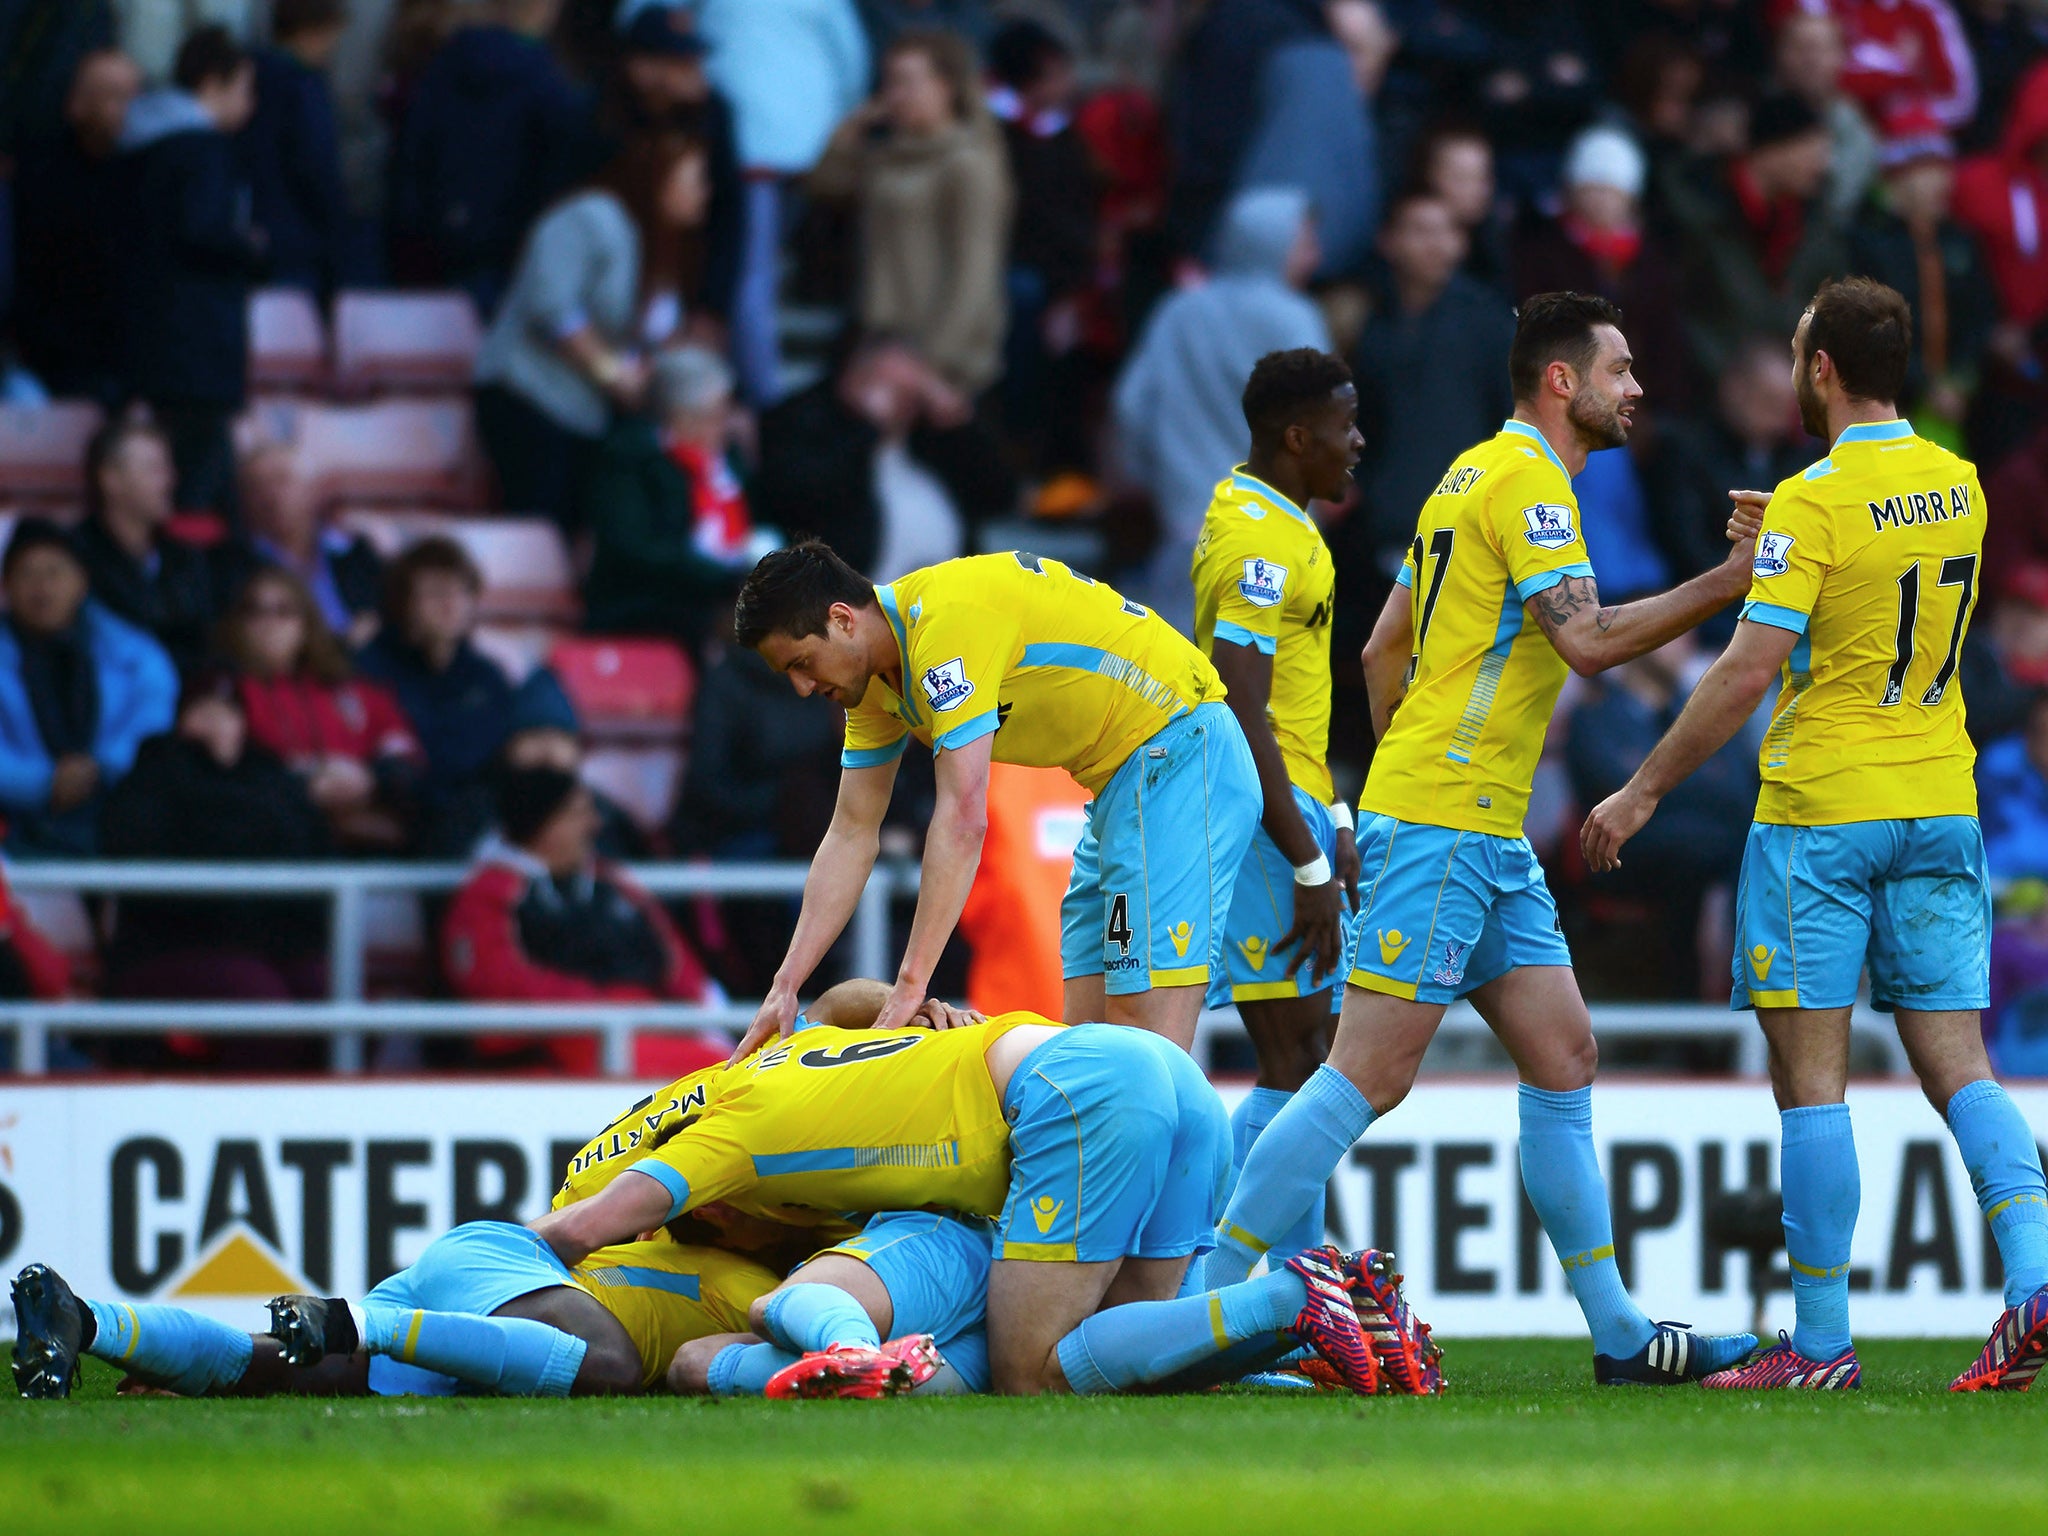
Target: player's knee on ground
pixel 609 1369
pixel 689 1373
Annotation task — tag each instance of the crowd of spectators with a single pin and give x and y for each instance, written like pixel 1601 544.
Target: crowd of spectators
pixel 928 276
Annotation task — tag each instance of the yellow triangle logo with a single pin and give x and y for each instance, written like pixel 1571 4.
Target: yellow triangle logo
pixel 238 1266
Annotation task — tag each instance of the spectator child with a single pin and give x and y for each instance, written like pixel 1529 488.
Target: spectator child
pixel 79 691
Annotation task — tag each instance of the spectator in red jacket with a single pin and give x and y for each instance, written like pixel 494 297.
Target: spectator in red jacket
pixel 30 965
pixel 2002 198
pixel 345 736
pixel 542 919
pixel 1902 51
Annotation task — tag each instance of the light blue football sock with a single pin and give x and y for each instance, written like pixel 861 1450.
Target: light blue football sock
pixel 1285 1172
pixel 807 1318
pixel 742 1370
pixel 1823 1189
pixel 190 1354
pixel 1266 1352
pixel 1254 1112
pixel 513 1355
pixel 1147 1341
pixel 1562 1175
pixel 2005 1169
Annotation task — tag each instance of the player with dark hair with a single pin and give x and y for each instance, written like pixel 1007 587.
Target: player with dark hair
pixel 1020 659
pixel 1496 602
pixel 1866 847
pixel 1264 587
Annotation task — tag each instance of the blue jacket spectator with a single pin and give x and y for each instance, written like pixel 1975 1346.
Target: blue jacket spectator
pixel 493 133
pixel 70 221
pixel 460 702
pixel 2012 800
pixel 1615 517
pixel 290 150
pixel 79 691
pixel 190 257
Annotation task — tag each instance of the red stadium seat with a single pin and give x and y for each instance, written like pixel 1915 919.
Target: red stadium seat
pixel 627 690
pixel 528 576
pixel 412 452
pixel 643 780
pixel 404 341
pixel 42 453
pixel 287 342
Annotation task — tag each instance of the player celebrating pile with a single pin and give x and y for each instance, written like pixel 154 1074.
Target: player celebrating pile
pixel 1453 899
pixel 1866 845
pixel 1019 659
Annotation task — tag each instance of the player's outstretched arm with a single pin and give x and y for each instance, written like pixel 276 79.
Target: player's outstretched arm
pixel 839 873
pixel 1592 638
pixel 1317 937
pixel 1726 696
pixel 631 1204
pixel 1386 656
pixel 952 853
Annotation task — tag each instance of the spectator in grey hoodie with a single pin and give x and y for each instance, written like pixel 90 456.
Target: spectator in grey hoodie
pixel 1180 424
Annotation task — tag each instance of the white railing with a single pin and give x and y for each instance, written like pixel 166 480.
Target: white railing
pixel 347 1019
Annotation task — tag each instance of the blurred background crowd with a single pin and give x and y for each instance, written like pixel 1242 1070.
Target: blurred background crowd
pixel 397 390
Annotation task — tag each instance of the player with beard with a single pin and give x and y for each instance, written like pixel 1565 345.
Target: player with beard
pixel 1865 847
pixel 1496 600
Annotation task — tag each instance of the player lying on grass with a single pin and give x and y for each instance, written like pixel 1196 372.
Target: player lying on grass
pixel 487 1307
pixel 997 1121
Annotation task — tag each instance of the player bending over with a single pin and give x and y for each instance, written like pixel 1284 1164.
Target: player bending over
pixel 1264 586
pixel 1866 847
pixel 1496 602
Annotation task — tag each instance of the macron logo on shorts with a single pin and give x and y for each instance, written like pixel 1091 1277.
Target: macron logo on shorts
pixel 1550 525
pixel 946 685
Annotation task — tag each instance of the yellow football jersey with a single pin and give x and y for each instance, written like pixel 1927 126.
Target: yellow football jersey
pixel 832 1121
pixel 1067 672
pixel 666 1294
pixel 1500 527
pixel 1872 557
pixel 636 1133
pixel 1263 578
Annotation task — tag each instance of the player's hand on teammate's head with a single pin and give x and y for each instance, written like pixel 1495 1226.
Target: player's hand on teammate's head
pixel 1746 520
pixel 1317 937
pixel 939 1014
pixel 901 1011
pixel 777 1016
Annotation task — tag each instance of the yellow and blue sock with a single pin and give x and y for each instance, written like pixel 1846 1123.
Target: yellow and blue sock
pixel 190 1354
pixel 1148 1341
pixel 742 1370
pixel 807 1318
pixel 2005 1169
pixel 1254 1112
pixel 1285 1172
pixel 1823 1191
pixel 513 1355
pixel 1562 1175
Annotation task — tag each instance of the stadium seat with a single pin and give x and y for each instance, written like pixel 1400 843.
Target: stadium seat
pixel 42 453
pixel 62 918
pixel 404 341
pixel 287 342
pixel 627 689
pixel 528 576
pixel 411 452
pixel 643 780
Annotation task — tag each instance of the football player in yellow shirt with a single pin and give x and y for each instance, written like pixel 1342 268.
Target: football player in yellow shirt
pixel 1497 601
pixel 1015 658
pixel 1264 587
pixel 1866 848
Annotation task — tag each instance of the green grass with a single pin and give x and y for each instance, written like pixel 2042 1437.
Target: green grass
pixel 1522 1442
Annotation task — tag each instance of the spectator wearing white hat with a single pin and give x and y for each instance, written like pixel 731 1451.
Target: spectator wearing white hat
pixel 1599 243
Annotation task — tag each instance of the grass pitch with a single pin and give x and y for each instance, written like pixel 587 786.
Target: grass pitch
pixel 1522 1442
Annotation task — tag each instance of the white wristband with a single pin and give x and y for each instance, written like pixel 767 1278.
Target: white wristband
pixel 1340 813
pixel 1315 872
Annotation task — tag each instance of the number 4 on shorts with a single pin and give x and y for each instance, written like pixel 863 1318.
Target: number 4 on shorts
pixel 1120 922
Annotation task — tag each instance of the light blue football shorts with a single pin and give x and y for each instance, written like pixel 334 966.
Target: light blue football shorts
pixel 474 1269
pixel 1159 856
pixel 1442 912
pixel 1262 910
pixel 934 1266
pixel 1911 899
